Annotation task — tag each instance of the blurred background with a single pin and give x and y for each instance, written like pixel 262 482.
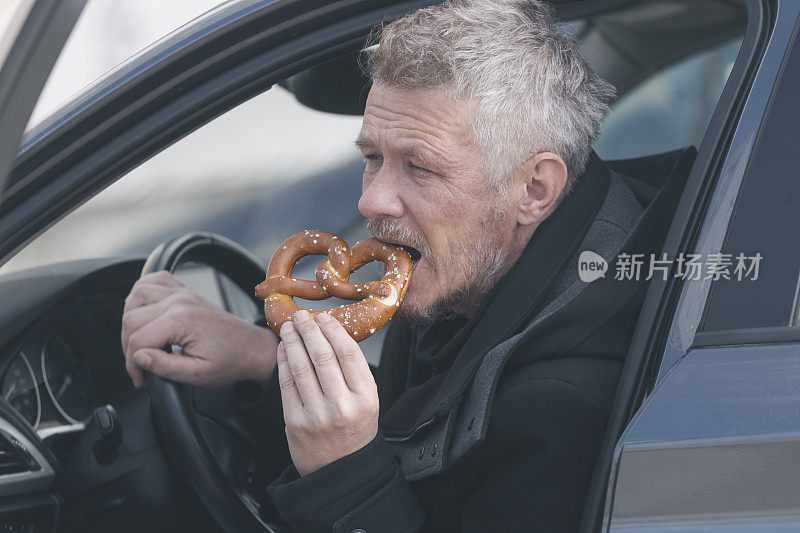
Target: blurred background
pixel 229 177
pixel 272 167
pixel 263 170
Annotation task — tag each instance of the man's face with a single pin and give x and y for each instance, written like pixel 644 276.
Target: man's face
pixel 425 187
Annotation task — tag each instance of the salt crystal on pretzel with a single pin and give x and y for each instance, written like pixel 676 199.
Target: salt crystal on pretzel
pixel 377 300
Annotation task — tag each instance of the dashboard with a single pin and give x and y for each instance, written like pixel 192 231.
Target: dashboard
pixel 58 368
pixel 48 384
pixel 60 351
pixel 61 359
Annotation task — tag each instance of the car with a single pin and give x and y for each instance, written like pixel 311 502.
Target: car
pixel 703 435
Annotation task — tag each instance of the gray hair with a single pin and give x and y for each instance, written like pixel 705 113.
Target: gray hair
pixel 531 88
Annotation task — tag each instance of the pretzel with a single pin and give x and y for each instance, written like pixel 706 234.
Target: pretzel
pixel 377 300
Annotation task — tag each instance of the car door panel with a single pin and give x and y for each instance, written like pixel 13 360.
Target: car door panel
pixel 715 445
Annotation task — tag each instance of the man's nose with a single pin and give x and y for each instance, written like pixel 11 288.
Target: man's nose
pixel 379 197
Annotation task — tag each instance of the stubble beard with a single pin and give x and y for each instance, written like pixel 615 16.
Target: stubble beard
pixel 474 263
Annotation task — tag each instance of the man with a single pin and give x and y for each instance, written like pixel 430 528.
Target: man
pixel 497 377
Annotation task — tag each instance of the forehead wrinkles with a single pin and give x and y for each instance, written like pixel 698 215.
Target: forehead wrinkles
pixel 432 127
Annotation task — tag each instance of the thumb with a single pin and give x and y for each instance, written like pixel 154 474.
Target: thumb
pixel 184 369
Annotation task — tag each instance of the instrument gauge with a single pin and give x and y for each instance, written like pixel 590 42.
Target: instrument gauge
pixel 20 390
pixel 67 380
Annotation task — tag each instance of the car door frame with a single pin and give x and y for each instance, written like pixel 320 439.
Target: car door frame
pixel 717 172
pixel 30 45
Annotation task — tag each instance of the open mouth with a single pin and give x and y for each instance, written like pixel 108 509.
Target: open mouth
pixel 413 252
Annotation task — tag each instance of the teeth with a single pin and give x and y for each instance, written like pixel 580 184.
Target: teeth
pixel 413 252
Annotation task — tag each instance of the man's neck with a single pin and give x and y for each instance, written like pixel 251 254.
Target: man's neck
pixel 470 305
pixel 522 235
pixel 467 309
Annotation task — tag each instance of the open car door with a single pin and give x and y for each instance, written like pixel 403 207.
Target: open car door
pixel 32 34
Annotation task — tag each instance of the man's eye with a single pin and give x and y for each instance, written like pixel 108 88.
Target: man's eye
pixel 419 169
pixel 373 157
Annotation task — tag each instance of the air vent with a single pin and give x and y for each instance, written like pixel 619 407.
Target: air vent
pixel 14 458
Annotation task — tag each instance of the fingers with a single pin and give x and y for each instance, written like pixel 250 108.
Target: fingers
pixel 172 366
pixel 300 366
pixel 290 396
pixel 152 288
pixel 147 294
pixel 154 334
pixel 135 372
pixel 352 363
pixel 161 277
pixel 134 319
pixel 141 328
pixel 151 297
pixel 321 354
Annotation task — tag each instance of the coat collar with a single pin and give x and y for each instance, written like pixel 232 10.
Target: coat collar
pixel 513 302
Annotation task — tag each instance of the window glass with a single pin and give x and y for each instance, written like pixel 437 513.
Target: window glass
pixel 10 16
pixel 766 221
pixel 107 33
pixel 230 175
pixel 257 174
pixel 669 110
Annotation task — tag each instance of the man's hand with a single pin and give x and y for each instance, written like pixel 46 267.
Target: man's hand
pixel 219 348
pixel 330 400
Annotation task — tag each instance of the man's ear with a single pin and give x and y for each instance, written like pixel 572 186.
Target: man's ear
pixel 540 182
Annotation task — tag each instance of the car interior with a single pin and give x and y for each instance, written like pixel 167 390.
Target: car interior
pixel 62 375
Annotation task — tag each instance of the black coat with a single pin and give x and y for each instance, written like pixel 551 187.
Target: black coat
pixel 492 423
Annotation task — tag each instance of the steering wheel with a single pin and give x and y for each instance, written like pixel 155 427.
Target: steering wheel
pixel 188 419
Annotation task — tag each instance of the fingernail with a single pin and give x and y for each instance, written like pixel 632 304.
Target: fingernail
pixel 143 359
pixel 302 315
pixel 323 317
pixel 287 327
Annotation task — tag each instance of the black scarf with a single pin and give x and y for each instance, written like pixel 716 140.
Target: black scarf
pixel 445 354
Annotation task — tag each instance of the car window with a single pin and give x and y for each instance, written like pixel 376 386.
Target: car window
pixel 271 167
pixel 107 33
pixel 216 177
pixel 257 174
pixel 10 17
pixel 671 109
pixel 765 222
